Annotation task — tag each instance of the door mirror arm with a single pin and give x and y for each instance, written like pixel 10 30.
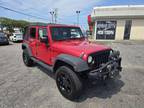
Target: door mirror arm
pixel 47 44
pixel 44 40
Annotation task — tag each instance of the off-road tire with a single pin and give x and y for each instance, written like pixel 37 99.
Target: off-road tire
pixel 27 60
pixel 75 82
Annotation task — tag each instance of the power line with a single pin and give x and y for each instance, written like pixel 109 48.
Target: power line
pixel 26 9
pixel 37 17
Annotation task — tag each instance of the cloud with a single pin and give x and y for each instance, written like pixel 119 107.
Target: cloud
pixel 66 8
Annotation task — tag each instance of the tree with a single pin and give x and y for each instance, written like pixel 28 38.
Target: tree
pixel 10 23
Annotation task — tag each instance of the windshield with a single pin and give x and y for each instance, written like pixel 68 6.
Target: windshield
pixel 62 33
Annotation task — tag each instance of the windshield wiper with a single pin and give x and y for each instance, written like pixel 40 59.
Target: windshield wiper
pixel 68 38
pixel 77 37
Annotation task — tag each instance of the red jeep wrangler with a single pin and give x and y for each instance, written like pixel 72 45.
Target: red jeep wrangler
pixel 69 55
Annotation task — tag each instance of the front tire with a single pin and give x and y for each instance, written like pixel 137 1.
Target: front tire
pixel 27 60
pixel 68 83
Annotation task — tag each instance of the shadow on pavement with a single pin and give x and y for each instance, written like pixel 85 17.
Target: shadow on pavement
pixel 6 44
pixel 100 89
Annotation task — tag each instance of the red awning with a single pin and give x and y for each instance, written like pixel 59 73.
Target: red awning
pixel 89 19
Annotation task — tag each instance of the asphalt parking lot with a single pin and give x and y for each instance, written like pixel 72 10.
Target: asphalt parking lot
pixel 23 87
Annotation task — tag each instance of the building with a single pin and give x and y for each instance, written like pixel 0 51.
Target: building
pixel 117 22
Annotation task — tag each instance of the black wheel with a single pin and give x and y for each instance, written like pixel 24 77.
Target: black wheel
pixel 6 43
pixel 26 59
pixel 68 83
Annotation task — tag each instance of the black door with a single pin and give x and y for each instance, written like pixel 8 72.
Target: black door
pixel 127 30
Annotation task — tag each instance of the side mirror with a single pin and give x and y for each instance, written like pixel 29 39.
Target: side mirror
pixel 44 40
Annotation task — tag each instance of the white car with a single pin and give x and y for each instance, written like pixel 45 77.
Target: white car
pixel 16 37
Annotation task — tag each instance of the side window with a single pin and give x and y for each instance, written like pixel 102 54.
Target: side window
pixel 33 33
pixel 42 32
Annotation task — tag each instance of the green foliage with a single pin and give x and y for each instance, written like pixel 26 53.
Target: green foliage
pixel 10 23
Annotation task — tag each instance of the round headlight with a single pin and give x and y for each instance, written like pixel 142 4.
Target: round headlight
pixel 111 53
pixel 90 59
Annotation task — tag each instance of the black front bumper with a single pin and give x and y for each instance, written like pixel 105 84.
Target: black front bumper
pixel 110 69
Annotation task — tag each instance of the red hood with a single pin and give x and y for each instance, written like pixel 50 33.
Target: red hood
pixel 77 47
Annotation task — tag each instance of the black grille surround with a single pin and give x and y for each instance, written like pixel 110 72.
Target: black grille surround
pixel 99 58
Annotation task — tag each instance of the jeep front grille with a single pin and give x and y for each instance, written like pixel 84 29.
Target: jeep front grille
pixel 100 58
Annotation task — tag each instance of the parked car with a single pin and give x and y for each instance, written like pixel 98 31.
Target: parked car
pixel 3 39
pixel 69 55
pixel 16 37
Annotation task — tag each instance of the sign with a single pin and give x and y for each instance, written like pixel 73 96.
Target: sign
pixel 106 29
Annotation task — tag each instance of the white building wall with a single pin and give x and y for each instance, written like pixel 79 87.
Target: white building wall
pixel 137 30
pixel 120 30
pixel 121 14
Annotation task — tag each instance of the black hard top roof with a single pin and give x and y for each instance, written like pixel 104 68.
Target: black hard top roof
pixel 43 24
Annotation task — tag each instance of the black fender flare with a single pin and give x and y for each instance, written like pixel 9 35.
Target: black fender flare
pixel 77 63
pixel 27 49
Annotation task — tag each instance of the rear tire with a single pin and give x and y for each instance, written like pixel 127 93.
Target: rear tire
pixel 68 83
pixel 27 60
pixel 8 43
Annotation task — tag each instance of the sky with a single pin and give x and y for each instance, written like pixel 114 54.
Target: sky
pixel 66 9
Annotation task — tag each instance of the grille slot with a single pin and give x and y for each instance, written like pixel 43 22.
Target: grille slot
pixel 100 58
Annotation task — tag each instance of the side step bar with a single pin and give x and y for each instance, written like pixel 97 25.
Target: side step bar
pixel 49 68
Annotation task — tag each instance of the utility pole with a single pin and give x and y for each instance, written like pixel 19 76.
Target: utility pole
pixel 52 14
pixel 77 12
pixel 56 15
